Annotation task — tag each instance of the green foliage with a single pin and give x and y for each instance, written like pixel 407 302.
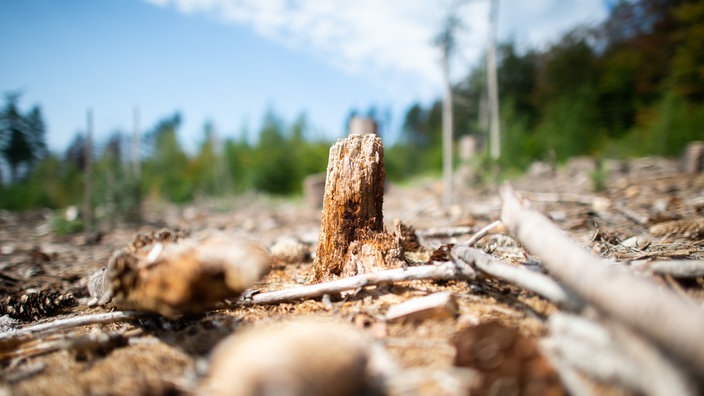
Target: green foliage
pixel 116 194
pixel 62 226
pixel 568 126
pixel 21 137
pixel 405 160
pixel 688 61
pixel 164 175
pixel 519 144
pixel 599 176
pixel 275 164
pixel 51 184
pixel 669 124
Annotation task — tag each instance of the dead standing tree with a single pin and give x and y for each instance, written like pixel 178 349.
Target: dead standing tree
pixel 352 237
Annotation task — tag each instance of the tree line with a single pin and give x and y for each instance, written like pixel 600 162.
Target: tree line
pixel 633 85
pixel 282 155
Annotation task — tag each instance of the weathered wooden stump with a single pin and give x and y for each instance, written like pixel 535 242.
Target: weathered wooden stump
pixel 352 210
pixel 313 190
pixel 363 126
pixel 694 157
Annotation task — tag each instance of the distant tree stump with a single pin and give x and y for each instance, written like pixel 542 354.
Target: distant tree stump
pixel 362 126
pixel 313 190
pixel 694 157
pixel 352 210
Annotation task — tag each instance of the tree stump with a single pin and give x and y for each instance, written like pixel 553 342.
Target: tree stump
pixel 352 209
pixel 694 157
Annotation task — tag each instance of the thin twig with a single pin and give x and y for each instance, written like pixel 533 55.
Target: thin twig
pixel 441 271
pixel 676 268
pixel 612 353
pixel 533 281
pixel 482 233
pixel 447 232
pixel 561 197
pixel 75 321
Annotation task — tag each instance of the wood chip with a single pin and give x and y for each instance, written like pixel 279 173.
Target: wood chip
pixel 435 306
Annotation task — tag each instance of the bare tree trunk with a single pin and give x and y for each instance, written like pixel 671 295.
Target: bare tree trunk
pixel 447 124
pixel 88 175
pixel 353 201
pixel 135 210
pixel 493 83
pixel 136 152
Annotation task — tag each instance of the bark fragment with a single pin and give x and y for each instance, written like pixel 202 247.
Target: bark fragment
pixel 173 276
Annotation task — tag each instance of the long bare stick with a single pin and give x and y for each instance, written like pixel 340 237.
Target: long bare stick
pixel 676 268
pixel 442 271
pixel 560 197
pixel 447 232
pixel 533 281
pixel 67 323
pixel 649 308
pixel 610 352
pixel 482 233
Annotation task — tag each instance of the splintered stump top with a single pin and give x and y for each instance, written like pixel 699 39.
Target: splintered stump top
pixel 353 202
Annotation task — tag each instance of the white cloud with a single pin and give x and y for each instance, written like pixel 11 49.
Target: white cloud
pixel 383 39
pixel 538 22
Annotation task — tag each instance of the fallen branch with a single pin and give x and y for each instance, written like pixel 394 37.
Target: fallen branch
pixel 612 353
pixel 441 271
pixel 75 321
pixel 649 308
pixel 561 197
pixel 676 268
pixel 81 344
pixel 533 281
pixel 42 338
pixel 448 232
pixel 482 233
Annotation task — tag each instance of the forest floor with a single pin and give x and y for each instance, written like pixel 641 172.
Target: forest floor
pixel 157 355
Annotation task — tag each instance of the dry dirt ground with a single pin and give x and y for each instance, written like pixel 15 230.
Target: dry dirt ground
pixel 44 276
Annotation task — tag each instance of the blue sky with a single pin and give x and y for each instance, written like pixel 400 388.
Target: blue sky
pixel 228 61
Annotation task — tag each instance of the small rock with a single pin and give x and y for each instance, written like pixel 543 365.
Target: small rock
pixel 601 204
pixel 297 358
pixel 636 242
